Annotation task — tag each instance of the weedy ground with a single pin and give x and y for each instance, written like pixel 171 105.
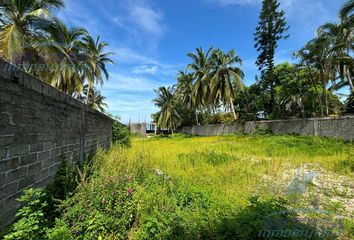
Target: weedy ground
pixel 229 170
pixel 224 187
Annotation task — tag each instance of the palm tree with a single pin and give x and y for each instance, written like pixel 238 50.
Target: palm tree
pixel 200 68
pixel 21 23
pixel 63 53
pixel 96 61
pixel 226 77
pixel 94 97
pixel 347 11
pixel 167 117
pixel 340 37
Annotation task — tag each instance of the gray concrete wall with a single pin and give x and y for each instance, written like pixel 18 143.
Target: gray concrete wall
pixel 339 127
pixel 39 127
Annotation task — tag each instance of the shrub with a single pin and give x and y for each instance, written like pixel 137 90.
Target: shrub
pixel 31 221
pixel 261 130
pixel 120 134
pixel 105 209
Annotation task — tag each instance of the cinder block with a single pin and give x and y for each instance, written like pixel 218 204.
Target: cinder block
pixel 43 155
pixel 8 190
pixel 9 164
pixel 16 174
pixel 28 159
pixel 16 150
pixel 26 182
pixel 35 167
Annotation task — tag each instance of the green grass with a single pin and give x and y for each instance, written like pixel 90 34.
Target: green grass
pixel 223 187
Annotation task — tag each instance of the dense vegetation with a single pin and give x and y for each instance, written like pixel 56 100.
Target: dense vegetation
pixel 68 58
pixel 229 187
pixel 212 87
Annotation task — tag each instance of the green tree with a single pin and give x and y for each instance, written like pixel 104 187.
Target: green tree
pixel 226 77
pixel 340 39
pixel 168 116
pixel 200 68
pixel 347 10
pixel 63 52
pixel 93 98
pixel 21 23
pixel 95 62
pixel 350 104
pixel 271 28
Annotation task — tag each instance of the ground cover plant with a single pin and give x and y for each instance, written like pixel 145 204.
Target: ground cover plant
pixel 226 187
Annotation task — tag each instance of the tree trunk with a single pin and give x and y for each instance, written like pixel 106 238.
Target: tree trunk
pixel 88 93
pixel 315 87
pixel 233 108
pixel 350 80
pixel 196 116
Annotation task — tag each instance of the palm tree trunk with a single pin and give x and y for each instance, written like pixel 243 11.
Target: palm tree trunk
pixel 88 93
pixel 196 116
pixel 315 87
pixel 233 108
pixel 350 80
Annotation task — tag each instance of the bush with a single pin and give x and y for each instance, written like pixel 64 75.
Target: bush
pixel 120 134
pixel 261 130
pixel 31 221
pixel 350 104
pixel 104 210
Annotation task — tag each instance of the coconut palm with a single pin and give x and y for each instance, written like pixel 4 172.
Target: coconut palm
pixel 63 52
pixel 95 70
pixel 21 23
pixel 167 117
pixel 226 76
pixel 340 37
pixel 94 97
pixel 347 11
pixel 185 90
pixel 200 68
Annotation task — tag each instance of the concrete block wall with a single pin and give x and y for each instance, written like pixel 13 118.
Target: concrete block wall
pixel 39 127
pixel 338 127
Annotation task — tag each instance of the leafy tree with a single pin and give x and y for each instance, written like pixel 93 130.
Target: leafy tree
pixel 21 23
pixel 95 62
pixel 347 11
pixel 350 104
pixel 168 116
pixel 271 28
pixel 63 51
pixel 93 98
pixel 200 68
pixel 226 76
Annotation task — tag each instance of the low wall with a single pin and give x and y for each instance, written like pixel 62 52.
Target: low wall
pixel 39 127
pixel 339 127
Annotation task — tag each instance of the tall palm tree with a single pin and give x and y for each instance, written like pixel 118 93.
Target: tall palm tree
pixel 167 117
pixel 21 22
pixel 347 10
pixel 200 68
pixel 226 76
pixel 95 99
pixel 96 61
pixel 185 89
pixel 341 39
pixel 63 52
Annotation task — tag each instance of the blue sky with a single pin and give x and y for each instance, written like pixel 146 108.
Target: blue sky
pixel 150 39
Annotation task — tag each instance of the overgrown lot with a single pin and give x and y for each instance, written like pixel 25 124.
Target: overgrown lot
pixel 229 187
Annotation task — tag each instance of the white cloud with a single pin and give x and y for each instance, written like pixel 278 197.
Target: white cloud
pixel 124 82
pixel 143 22
pixel 145 69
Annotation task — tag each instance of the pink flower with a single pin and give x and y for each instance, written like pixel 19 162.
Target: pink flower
pixel 130 178
pixel 130 192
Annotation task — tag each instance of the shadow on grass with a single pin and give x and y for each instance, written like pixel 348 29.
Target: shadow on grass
pixel 268 219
